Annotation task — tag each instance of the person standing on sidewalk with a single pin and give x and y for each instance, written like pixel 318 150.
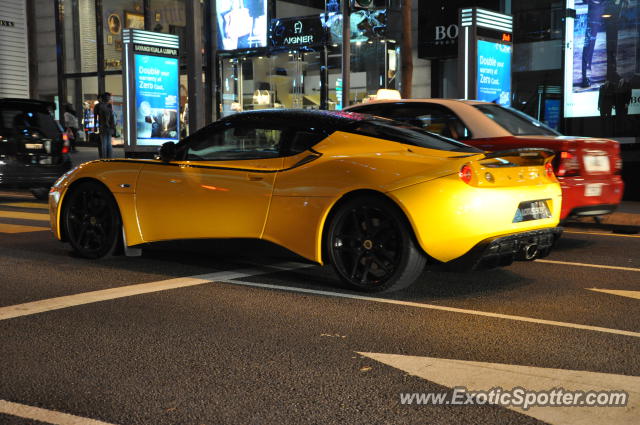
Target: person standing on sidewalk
pixel 103 112
pixel 71 125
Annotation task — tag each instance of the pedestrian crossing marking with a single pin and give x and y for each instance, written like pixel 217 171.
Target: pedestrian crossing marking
pixel 34 205
pixel 619 292
pixel 18 228
pixel 24 215
pixel 474 375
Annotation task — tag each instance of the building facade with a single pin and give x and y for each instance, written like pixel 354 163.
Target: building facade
pixel 252 54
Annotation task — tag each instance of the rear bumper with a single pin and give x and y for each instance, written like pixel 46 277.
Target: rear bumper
pixel 16 174
pixel 503 250
pixel 575 203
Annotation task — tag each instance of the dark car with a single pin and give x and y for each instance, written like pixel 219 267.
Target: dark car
pixel 34 151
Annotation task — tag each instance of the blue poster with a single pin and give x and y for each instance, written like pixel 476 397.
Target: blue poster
pixel 494 72
pixel 552 113
pixel 157 99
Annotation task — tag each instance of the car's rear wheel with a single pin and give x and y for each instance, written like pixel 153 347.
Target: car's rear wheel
pixel 371 246
pixel 92 220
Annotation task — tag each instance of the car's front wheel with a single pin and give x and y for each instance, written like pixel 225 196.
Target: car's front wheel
pixel 371 246
pixel 92 220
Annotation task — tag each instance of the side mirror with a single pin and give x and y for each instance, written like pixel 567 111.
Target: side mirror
pixel 167 152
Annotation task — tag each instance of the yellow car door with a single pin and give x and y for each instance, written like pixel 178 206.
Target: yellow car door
pixel 220 187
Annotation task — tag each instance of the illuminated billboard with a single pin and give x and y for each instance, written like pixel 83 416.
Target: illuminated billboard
pixel 494 72
pixel 157 99
pixel 242 24
pixel 602 69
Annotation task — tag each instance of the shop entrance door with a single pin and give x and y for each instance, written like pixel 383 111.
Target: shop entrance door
pixel 284 79
pixel 296 79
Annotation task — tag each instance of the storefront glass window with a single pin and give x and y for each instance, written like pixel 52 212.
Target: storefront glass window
pixel 113 85
pixel 82 94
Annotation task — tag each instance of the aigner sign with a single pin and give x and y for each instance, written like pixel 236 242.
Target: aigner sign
pixel 296 32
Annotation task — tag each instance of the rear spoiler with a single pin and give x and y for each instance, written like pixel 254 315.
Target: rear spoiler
pixel 521 152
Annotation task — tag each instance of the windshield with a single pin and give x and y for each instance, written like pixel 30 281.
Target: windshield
pixel 403 133
pixel 515 122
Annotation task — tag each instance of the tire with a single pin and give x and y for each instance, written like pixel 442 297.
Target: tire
pixel 92 220
pixel 371 246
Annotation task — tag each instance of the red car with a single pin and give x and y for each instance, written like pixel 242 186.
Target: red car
pixel 588 168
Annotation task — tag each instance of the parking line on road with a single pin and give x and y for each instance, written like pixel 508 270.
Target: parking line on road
pixel 619 235
pixel 58 303
pixel 24 215
pixel 596 266
pixel 44 415
pixel 435 307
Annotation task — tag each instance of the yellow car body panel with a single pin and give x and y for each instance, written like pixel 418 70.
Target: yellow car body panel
pixel 287 200
pixel 205 199
pixel 119 176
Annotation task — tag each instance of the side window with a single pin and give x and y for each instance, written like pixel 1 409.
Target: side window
pixel 235 143
pixel 441 121
pixel 301 140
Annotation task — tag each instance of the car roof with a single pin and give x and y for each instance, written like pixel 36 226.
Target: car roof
pixel 478 123
pixel 335 120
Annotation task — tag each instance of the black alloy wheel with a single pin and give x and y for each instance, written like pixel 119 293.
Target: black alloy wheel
pixel 92 220
pixel 372 247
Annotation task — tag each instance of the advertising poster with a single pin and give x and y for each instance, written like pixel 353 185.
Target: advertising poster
pixel 157 100
pixel 242 24
pixel 602 72
pixel 494 72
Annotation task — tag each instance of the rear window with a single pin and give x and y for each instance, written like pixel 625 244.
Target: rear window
pixel 515 122
pixel 407 134
pixel 28 120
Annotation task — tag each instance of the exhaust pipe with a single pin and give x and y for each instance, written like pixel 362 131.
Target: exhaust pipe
pixel 530 252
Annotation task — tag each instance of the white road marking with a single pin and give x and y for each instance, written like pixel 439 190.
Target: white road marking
pixel 50 304
pixel 619 235
pixel 435 307
pixel 596 266
pixel 619 292
pixel 482 376
pixel 44 415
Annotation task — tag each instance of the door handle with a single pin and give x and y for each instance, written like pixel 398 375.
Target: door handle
pixel 175 181
pixel 254 177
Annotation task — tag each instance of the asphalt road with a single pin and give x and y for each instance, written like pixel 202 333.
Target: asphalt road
pixel 265 338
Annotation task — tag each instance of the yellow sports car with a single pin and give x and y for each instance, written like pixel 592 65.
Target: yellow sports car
pixel 375 198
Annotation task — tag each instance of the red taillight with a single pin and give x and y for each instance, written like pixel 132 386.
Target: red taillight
pixel 465 173
pixel 569 165
pixel 65 149
pixel 548 167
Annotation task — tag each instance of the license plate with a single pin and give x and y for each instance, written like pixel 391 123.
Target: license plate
pixel 33 145
pixel 593 189
pixel 596 163
pixel 532 210
pixel 46 160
